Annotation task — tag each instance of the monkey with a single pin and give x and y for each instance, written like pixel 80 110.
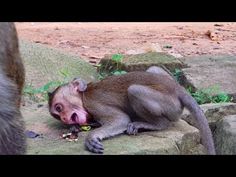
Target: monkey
pixel 12 78
pixel 133 102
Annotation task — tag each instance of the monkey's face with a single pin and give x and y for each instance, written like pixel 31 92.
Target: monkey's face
pixel 66 105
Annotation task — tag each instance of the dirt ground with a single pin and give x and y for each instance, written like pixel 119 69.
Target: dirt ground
pixel 92 41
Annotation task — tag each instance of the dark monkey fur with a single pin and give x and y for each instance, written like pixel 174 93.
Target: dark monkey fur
pixel 12 77
pixel 127 103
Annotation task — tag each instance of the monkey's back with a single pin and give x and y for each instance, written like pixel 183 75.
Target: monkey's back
pixel 112 91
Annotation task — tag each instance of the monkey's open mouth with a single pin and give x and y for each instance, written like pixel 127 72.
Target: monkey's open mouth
pixel 78 117
pixel 74 117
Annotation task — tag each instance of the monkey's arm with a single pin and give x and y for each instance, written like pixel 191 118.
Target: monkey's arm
pixel 113 121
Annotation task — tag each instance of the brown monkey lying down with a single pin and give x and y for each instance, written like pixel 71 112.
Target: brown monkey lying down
pixel 126 103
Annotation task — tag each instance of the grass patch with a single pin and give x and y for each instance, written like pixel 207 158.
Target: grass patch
pixel 210 95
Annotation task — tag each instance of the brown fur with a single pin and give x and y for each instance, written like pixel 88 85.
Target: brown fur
pixel 131 102
pixel 12 77
pixel 112 91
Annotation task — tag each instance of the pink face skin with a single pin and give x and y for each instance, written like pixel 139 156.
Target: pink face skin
pixel 70 115
pixel 68 107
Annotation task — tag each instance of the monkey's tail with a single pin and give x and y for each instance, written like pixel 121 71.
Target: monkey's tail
pixel 202 123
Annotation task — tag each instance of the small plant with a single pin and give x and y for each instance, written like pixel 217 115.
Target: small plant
pixel 105 72
pixel 40 94
pixel 177 74
pixel 210 95
pixel 117 58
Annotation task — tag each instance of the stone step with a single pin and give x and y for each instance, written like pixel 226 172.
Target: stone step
pixel 222 121
pixel 140 62
pixel 225 135
pixel 180 138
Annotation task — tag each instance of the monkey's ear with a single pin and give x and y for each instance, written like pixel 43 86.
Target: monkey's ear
pixel 79 84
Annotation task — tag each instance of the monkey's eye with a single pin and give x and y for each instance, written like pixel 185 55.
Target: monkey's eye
pixel 58 108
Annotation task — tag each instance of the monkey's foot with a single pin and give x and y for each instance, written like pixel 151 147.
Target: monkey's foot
pixel 133 127
pixel 94 145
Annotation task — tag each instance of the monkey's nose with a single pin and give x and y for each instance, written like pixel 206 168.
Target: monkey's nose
pixel 63 119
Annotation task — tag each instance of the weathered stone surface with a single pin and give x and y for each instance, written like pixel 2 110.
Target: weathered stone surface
pixel 213 112
pixel 222 121
pixel 141 62
pixel 180 138
pixel 44 64
pixel 208 71
pixel 225 135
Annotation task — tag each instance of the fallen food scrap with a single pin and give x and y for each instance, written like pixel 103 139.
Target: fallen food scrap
pixel 73 135
pixel 85 128
pixel 70 136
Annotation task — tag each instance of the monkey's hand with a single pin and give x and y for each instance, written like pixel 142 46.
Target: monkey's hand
pixel 111 125
pixel 93 144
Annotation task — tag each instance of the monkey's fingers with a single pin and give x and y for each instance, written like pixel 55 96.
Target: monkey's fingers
pixel 132 129
pixel 94 145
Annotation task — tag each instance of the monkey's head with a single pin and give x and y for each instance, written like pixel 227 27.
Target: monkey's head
pixel 65 103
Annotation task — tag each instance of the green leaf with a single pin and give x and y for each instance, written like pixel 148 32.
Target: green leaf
pixel 116 73
pixel 117 58
pixel 123 72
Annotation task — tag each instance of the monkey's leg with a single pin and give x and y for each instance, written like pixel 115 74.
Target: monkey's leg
pixel 158 70
pixel 155 108
pixel 133 127
pixel 113 122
